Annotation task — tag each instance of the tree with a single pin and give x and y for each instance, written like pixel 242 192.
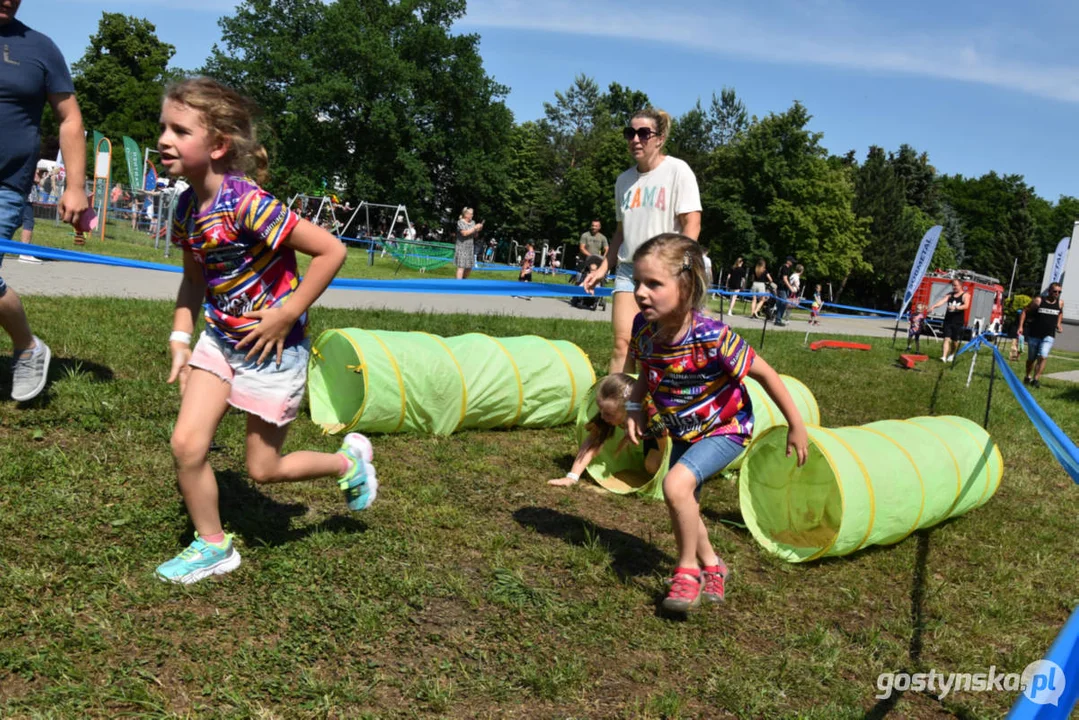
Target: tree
pixel 690 136
pixel 995 212
pixel 775 193
pixel 917 177
pixel 622 102
pixel 572 117
pixel 120 80
pixel 953 234
pixel 376 97
pixel 728 117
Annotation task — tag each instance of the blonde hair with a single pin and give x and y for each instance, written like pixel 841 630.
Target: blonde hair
pixel 612 388
pixel 684 259
pixel 228 115
pixel 465 211
pixel 660 117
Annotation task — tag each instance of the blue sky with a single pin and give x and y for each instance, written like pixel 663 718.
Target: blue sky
pixel 980 86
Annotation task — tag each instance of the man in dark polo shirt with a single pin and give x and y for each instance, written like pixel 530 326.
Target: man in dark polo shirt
pixel 1039 323
pixel 32 71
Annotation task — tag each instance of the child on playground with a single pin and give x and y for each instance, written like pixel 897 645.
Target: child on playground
pixel 611 395
pixel 814 309
pixel 239 250
pixel 527 264
pixel 693 367
pixel 916 322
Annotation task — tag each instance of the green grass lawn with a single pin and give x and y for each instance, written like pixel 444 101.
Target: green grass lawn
pixel 471 589
pixel 121 241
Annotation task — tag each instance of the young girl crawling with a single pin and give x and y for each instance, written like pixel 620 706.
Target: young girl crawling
pixel 611 395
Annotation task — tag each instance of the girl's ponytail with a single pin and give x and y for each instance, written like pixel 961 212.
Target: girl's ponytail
pixel 260 165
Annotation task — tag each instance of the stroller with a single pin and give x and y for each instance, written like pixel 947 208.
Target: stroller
pixel 591 302
pixel 768 309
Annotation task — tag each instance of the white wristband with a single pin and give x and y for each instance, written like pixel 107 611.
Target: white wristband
pixel 573 476
pixel 633 406
pixel 180 336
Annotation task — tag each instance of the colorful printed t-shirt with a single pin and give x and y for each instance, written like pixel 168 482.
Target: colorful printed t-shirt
pixel 648 204
pixel 916 320
pixel 696 383
pixel 239 244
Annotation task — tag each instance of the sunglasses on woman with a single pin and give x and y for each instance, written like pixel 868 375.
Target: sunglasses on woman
pixel 642 134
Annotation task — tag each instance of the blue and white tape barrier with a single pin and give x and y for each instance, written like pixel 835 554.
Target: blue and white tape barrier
pixel 438 287
pixel 1060 445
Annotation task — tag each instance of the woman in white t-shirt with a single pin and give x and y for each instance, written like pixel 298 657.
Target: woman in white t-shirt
pixel 658 195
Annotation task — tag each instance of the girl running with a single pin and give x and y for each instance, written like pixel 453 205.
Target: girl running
pixel 693 367
pixel 239 245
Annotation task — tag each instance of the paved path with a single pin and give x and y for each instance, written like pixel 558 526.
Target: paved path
pixel 81 279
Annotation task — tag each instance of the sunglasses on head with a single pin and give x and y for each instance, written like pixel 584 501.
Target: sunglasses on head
pixel 642 134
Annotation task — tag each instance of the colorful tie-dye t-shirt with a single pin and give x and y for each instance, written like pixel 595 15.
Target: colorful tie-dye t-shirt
pixel 696 383
pixel 239 244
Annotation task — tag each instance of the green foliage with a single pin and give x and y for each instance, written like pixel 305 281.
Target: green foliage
pixel 999 227
pixel 375 99
pixel 774 193
pixel 119 82
pixel 1015 303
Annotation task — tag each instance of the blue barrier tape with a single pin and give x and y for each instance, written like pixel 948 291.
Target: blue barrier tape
pixel 1060 693
pixel 870 313
pixel 441 287
pixel 480 264
pixel 1060 685
pixel 1062 448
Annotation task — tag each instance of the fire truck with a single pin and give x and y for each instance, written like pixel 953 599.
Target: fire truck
pixel 986 311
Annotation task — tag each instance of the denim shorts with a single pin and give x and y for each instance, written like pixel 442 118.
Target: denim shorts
pixel 623 278
pixel 272 392
pixel 1039 347
pixel 706 457
pixel 11 210
pixel 28 215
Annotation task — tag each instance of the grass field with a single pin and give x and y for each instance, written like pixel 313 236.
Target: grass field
pixel 471 589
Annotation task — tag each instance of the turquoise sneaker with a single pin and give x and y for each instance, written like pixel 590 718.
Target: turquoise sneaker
pixel 359 484
pixel 200 560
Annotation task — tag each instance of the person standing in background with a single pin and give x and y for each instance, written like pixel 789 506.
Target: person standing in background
pixel 33 72
pixel 736 277
pixel 1042 319
pixel 659 194
pixel 593 243
pixel 464 256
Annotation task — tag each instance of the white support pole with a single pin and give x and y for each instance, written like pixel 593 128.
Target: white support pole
pixel 973 358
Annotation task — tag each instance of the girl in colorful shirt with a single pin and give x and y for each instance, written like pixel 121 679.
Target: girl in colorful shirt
pixel 527 264
pixel 239 246
pixel 693 367
pixel 914 329
pixel 814 309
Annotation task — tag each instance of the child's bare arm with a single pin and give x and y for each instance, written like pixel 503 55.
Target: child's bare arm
pixel 635 421
pixel 184 318
pixel 797 440
pixel 589 449
pixel 327 255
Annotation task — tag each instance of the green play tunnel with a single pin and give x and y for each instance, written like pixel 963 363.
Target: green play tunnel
pixel 868 485
pixel 624 472
pixel 379 381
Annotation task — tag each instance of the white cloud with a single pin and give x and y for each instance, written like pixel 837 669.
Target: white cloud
pixel 829 33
